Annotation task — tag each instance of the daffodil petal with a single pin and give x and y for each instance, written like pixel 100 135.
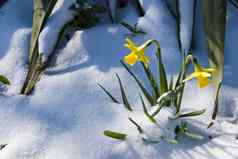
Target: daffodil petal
pixel 131 59
pixel 132 48
pixel 202 82
pixel 210 70
pixel 191 76
pixel 130 42
pixel 205 74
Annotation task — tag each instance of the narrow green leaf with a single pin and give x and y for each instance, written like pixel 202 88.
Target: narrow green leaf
pixel 139 7
pixel 123 94
pixel 191 114
pixel 139 128
pixel 115 135
pixel 162 73
pixel 49 8
pixel 42 11
pixel 216 104
pixel 215 15
pixel 149 141
pixel 38 21
pixel 143 89
pixel 178 22
pixel 214 25
pixel 146 111
pixel 181 77
pixel 171 83
pixel 4 80
pixel 2 146
pixel 109 94
pixel 193 135
pixel 152 80
pixel 171 141
pixel 132 29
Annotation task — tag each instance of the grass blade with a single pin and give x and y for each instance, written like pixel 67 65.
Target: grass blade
pixel 123 95
pixel 115 135
pixel 109 94
pixel 143 89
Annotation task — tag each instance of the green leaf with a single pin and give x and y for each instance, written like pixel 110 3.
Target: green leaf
pixel 171 141
pixel 139 128
pixel 215 14
pixel 139 7
pixel 132 29
pixel 109 94
pixel 42 11
pixel 215 25
pixel 143 89
pixel 123 94
pixel 146 111
pixel 191 114
pixel 216 104
pixel 152 81
pixel 171 83
pixel 115 135
pixel 162 73
pixel 181 77
pixel 193 135
pixel 2 146
pixel 4 80
pixel 38 21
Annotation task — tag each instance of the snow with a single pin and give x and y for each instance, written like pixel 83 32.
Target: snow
pixel 66 115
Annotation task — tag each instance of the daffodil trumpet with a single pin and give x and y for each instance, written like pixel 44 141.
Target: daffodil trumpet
pixel 204 75
pixel 137 52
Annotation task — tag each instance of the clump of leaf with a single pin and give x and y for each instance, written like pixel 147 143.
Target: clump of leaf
pixel 42 12
pixel 163 94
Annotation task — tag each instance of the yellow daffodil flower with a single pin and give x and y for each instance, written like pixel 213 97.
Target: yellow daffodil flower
pixel 202 75
pixel 137 53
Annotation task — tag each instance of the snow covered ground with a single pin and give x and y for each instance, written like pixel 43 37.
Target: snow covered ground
pixel 67 113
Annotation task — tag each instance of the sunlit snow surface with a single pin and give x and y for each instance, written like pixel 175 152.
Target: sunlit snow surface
pixel 67 113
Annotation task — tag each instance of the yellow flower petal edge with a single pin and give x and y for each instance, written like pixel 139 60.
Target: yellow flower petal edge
pixel 137 52
pixel 202 75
